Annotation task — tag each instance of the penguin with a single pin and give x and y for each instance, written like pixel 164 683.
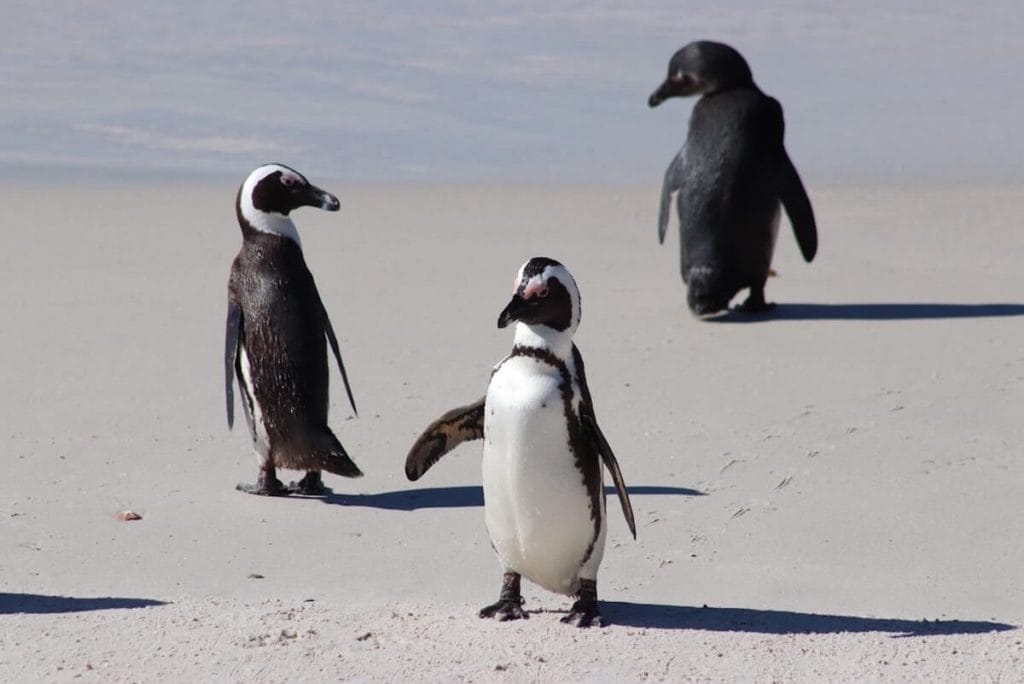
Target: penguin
pixel 276 337
pixel 731 175
pixel 544 501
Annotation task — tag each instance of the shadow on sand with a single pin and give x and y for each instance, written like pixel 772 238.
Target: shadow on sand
pixel 39 604
pixel 463 497
pixel 779 622
pixel 872 312
pixel 657 616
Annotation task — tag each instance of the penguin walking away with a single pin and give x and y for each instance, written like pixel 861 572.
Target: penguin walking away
pixel 277 334
pixel 544 502
pixel 731 175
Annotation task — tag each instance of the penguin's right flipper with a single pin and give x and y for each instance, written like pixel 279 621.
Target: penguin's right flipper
pixel 672 182
pixel 233 334
pixel 329 330
pixel 459 425
pixel 798 208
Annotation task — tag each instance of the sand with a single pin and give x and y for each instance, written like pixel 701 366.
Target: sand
pixel 830 492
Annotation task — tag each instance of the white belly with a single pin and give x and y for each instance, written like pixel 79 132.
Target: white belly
pixel 535 502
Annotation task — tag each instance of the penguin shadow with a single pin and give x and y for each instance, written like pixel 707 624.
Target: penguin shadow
pixel 894 311
pixel 659 616
pixel 463 497
pixel 38 604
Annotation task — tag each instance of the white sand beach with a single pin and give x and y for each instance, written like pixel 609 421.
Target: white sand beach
pixel 830 492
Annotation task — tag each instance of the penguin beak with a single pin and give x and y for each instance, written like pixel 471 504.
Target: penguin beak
pixel 315 197
pixel 658 96
pixel 673 87
pixel 512 312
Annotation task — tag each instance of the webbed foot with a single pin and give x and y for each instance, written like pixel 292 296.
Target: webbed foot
pixel 312 484
pixel 755 303
pixel 267 484
pixel 584 612
pixel 505 611
pixel 264 488
pixel 510 602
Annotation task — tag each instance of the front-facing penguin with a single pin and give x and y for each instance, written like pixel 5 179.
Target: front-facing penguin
pixel 277 334
pixel 544 502
pixel 731 175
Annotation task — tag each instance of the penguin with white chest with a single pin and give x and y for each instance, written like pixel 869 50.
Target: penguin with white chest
pixel 277 335
pixel 544 501
pixel 731 175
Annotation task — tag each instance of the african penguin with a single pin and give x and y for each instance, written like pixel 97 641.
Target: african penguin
pixel 277 334
pixel 544 502
pixel 731 175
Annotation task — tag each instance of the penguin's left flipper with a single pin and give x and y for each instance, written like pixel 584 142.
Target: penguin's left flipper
pixel 326 321
pixel 601 446
pixel 593 435
pixel 669 186
pixel 232 335
pixel 791 189
pixel 798 208
pixel 459 425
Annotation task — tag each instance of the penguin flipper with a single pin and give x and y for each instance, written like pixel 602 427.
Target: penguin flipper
pixel 593 436
pixel 459 425
pixel 669 186
pixel 798 208
pixel 601 446
pixel 329 330
pixel 232 335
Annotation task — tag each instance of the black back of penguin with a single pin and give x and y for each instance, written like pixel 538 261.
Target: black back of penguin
pixel 731 177
pixel 283 336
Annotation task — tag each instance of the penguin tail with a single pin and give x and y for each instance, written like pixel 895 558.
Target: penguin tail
pixel 704 293
pixel 331 456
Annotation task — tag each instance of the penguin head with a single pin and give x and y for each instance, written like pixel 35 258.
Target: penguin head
pixel 271 192
pixel 702 67
pixel 544 295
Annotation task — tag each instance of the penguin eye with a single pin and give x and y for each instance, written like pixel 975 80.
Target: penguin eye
pixel 287 181
pixel 542 292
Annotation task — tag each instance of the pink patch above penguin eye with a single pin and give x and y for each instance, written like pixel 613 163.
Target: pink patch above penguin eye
pixel 535 290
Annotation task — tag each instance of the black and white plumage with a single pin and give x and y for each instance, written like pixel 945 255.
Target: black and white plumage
pixel 731 175
pixel 277 335
pixel 544 500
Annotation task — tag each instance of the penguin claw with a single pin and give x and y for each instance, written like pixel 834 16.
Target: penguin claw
pixel 505 610
pixel 584 613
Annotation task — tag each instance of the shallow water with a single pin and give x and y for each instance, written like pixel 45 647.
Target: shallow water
pixel 464 92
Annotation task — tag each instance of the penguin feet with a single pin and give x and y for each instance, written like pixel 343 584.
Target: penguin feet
pixel 505 611
pixel 755 303
pixel 267 484
pixel 510 602
pixel 310 485
pixel 584 612
pixel 264 488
